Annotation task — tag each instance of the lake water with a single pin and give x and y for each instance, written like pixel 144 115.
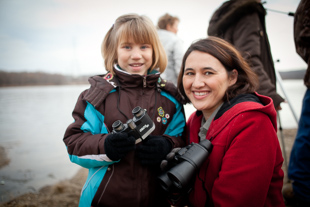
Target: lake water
pixel 32 124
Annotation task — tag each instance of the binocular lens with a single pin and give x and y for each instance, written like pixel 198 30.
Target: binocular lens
pixel 165 182
pixel 189 160
pixel 117 125
pixel 137 112
pixel 182 174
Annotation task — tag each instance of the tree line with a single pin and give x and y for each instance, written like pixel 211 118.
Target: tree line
pixel 41 78
pixel 38 78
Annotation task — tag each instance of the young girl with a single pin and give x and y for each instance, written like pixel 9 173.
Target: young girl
pixel 121 172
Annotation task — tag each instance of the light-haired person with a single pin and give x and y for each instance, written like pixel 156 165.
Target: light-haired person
pixel 121 172
pixel 167 26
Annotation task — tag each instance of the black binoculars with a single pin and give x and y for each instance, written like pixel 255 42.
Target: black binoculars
pixel 187 162
pixel 140 126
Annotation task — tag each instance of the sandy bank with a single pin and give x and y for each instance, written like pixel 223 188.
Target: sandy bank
pixel 64 193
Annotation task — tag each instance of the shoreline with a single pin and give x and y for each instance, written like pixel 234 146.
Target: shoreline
pixel 62 193
pixel 4 160
pixel 67 192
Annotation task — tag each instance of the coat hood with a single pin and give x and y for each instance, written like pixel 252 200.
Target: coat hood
pixel 242 103
pixel 102 85
pixel 231 11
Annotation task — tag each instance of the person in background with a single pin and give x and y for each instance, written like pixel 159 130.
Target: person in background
pixel 297 193
pixel 167 30
pixel 244 166
pixel 121 171
pixel 242 23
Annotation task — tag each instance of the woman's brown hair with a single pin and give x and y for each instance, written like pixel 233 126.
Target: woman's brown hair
pixel 229 56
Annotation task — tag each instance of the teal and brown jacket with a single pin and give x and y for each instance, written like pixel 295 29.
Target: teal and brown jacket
pixel 112 97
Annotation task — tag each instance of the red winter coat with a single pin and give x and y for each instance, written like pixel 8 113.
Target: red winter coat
pixel 244 167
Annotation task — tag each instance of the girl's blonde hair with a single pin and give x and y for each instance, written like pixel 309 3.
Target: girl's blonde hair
pixel 140 29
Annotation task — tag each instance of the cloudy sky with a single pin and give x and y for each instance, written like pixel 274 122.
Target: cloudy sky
pixel 64 36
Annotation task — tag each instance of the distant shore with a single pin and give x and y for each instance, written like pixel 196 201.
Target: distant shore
pixel 42 79
pixel 67 192
pixel 39 79
pixel 4 160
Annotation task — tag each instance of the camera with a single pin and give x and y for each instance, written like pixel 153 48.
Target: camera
pixel 140 126
pixel 186 164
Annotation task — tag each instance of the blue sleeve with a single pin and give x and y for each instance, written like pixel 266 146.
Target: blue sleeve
pixel 177 124
pixel 85 144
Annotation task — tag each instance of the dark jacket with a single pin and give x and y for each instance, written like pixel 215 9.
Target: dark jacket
pixel 302 35
pixel 242 23
pixel 110 98
pixel 244 166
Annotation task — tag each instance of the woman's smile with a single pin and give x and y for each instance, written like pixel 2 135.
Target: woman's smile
pixel 200 94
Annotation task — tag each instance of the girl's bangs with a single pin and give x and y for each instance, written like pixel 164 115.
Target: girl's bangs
pixel 133 32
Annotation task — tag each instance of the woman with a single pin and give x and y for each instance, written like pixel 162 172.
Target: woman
pixel 244 167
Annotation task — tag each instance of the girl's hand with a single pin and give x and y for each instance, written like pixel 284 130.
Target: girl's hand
pixel 153 150
pixel 117 145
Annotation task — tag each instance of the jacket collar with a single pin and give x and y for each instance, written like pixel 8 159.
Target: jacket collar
pixel 125 79
pixel 102 85
pixel 238 99
pixel 229 104
pixel 250 102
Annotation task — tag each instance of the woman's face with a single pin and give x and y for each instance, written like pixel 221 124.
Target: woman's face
pixel 135 58
pixel 205 81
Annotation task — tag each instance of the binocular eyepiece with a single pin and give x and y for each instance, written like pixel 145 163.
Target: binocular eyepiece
pixel 140 126
pixel 187 161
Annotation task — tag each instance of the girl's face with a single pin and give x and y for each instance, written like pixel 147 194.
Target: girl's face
pixel 135 58
pixel 205 81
